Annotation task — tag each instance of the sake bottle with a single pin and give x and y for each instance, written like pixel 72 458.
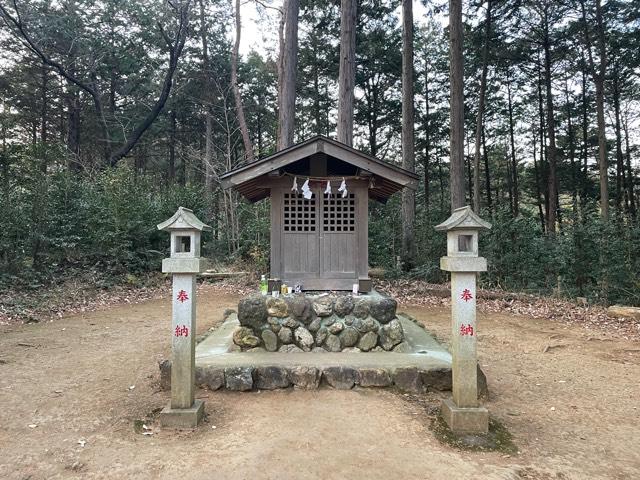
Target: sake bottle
pixel 263 285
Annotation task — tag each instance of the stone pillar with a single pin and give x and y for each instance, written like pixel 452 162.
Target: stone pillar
pixel 184 411
pixel 183 340
pixel 463 339
pixel 463 413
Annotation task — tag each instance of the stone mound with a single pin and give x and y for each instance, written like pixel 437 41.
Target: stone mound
pixel 331 322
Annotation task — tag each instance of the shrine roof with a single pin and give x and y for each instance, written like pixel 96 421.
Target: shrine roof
pixel 388 178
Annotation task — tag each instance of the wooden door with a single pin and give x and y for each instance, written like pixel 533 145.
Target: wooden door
pixel 338 236
pixel 300 237
pixel 319 238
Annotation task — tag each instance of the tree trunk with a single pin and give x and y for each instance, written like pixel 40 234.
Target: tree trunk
pixel 73 126
pixel 172 145
pixel 551 134
pixel 536 172
pixel 632 201
pixel 427 135
pixel 572 150
pixel 408 137
pixel 487 175
pixel 543 148
pixel 287 74
pixel 479 119
pixel 242 122
pixel 514 161
pixel 44 114
pixel 208 149
pixel 585 139
pixel 456 79
pixel 508 178
pixel 347 75
pixel 598 80
pixel 621 183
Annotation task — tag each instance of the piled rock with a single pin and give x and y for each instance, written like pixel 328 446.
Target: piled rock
pixel 326 322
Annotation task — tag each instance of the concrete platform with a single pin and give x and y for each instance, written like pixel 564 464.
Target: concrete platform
pixel 426 366
pixel 425 352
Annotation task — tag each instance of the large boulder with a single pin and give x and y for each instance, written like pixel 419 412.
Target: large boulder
pixel 274 323
pixel 304 339
pixel 341 378
pixel 374 377
pixel 315 325
pixel 305 377
pixel 290 322
pixel 332 343
pixel 270 378
pixel 368 341
pixel 277 307
pixel 245 338
pixel 408 379
pixel 238 378
pixel 323 306
pixel 383 309
pixel 270 340
pixel 437 379
pixel 361 308
pixel 210 377
pixel 321 335
pixel 285 335
pixel 367 324
pixel 344 305
pixel 390 335
pixel 252 311
pixel 300 308
pixel 348 337
pixel 336 328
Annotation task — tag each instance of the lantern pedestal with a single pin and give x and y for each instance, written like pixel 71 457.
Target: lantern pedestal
pixel 463 413
pixel 465 420
pixel 183 411
pixel 182 417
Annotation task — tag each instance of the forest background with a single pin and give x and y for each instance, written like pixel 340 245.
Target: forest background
pixel 114 113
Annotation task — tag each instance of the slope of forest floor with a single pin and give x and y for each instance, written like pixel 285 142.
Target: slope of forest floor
pixel 80 397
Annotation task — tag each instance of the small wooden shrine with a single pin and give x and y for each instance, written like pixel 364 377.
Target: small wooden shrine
pixel 319 192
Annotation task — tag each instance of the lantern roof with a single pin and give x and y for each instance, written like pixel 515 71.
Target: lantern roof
pixel 183 219
pixel 463 218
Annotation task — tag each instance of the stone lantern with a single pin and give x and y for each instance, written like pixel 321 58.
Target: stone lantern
pixel 463 414
pixel 184 263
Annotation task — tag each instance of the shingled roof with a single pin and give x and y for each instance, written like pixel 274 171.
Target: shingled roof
pixel 388 178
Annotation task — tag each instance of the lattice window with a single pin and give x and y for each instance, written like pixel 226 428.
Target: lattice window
pixel 339 214
pixel 299 213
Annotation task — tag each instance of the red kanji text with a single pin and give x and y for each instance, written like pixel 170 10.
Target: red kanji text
pixel 182 331
pixel 182 296
pixel 466 295
pixel 466 330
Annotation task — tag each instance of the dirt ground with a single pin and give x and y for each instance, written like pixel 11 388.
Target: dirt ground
pixel 71 391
